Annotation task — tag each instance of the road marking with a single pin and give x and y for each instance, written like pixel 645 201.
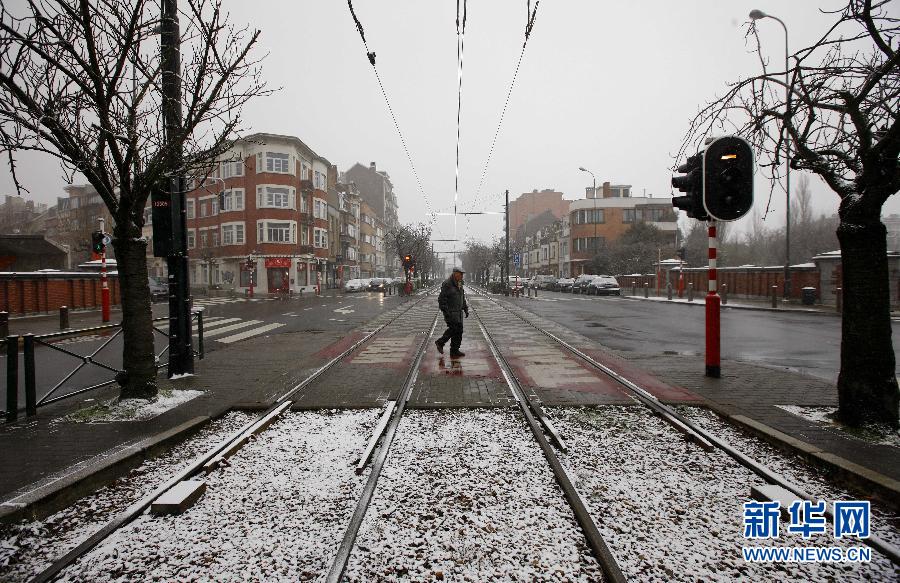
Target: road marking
pixel 207 322
pixel 218 331
pixel 249 333
pixel 306 309
pixel 344 311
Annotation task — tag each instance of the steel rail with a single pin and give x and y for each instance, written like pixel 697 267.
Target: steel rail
pixel 339 564
pixel 595 540
pixel 884 547
pixel 198 463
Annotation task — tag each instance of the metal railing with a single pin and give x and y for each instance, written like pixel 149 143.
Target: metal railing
pixel 56 342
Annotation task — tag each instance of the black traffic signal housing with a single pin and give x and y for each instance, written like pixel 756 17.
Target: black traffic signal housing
pixel 408 261
pixel 97 245
pixel 728 178
pixel 692 185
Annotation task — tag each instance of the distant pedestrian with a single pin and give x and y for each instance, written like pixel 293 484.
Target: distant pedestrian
pixel 452 302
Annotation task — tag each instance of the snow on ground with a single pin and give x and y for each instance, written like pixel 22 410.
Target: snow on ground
pixel 879 433
pixel 672 512
pixel 30 546
pixel 466 495
pixel 814 480
pixel 277 512
pixel 132 409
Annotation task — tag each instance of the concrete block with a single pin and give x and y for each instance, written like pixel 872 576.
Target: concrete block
pixel 179 497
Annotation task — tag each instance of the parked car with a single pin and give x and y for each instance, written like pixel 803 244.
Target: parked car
pixel 564 284
pixel 159 291
pixel 581 282
pixel 603 285
pixel 544 281
pixel 355 285
pixel 377 283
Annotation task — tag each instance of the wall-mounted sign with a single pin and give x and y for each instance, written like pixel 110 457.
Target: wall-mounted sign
pixel 278 262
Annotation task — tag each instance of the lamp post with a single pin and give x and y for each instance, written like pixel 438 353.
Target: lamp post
pixel 758 15
pixel 594 212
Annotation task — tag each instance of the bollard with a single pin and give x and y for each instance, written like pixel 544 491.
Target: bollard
pixel 669 291
pixel 30 385
pixel 4 324
pixel 529 292
pixel 12 378
pixel 646 290
pixel 535 291
pixel 633 287
pixel 838 300
pixel 724 293
pixel 690 292
pixel 774 296
pixel 64 317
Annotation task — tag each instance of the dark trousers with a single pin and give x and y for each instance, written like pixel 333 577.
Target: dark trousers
pixel 453 333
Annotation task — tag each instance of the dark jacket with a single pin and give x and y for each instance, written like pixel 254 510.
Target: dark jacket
pixel 452 300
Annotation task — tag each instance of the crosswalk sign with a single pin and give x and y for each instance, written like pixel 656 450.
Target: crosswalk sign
pixel 517 260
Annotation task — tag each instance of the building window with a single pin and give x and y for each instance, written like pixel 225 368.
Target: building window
pixel 627 215
pixel 233 234
pixel 233 200
pixel 191 235
pixel 190 208
pixel 319 180
pixel 320 208
pixel 204 239
pixel 279 197
pixel 277 162
pixel 654 215
pixel 588 243
pixel 232 168
pixel 320 238
pixel 589 216
pixel 276 231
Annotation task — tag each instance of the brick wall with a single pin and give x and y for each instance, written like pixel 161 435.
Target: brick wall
pixel 749 282
pixel 29 293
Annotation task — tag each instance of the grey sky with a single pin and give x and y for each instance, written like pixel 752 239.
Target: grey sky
pixel 605 85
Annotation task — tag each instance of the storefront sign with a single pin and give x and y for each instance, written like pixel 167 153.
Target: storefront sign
pixel 278 262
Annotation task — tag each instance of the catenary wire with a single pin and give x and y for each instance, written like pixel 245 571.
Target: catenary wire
pixel 371 55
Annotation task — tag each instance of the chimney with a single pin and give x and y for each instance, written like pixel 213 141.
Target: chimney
pixel 607 193
pixel 372 166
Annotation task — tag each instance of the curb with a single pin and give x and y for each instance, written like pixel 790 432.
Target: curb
pixel 885 489
pixel 91 474
pixel 741 307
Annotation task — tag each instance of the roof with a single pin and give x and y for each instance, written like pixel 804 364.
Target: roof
pixel 262 136
pixel 33 245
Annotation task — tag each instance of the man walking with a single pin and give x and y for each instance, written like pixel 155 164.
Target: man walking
pixel 452 302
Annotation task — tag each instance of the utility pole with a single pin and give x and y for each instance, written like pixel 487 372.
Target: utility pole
pixel 181 354
pixel 506 258
pixel 104 280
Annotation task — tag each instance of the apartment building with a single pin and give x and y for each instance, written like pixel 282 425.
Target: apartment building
pixel 266 200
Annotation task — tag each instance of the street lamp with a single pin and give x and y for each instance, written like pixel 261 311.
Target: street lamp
pixel 758 15
pixel 594 212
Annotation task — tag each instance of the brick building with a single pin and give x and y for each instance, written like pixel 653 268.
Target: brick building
pixel 532 204
pixel 266 198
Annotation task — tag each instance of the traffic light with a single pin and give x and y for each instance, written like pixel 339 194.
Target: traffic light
pixel 97 245
pixel 728 178
pixel 407 261
pixel 692 185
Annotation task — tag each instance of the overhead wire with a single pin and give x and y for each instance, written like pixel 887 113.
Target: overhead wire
pixel 531 14
pixel 460 51
pixel 371 56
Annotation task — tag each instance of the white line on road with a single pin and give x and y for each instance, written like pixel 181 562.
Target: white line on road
pixel 210 321
pixel 249 333
pixel 218 331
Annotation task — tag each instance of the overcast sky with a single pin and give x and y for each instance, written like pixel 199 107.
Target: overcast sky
pixel 605 85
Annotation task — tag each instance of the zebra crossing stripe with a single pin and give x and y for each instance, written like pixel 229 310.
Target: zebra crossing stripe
pixel 249 333
pixel 207 322
pixel 237 326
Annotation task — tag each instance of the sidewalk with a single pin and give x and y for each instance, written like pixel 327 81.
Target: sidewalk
pixel 744 304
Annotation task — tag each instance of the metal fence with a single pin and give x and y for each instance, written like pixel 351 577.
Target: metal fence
pixel 57 343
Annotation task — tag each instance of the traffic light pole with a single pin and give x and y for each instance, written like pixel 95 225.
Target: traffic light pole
pixel 104 279
pixel 506 262
pixel 181 353
pixel 713 303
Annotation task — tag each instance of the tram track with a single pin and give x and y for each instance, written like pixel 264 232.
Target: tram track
pixel 214 456
pixel 692 431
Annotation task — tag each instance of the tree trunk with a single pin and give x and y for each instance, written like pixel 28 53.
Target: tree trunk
pixel 138 357
pixel 867 384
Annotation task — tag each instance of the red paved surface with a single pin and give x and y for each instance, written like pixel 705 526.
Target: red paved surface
pixel 642 378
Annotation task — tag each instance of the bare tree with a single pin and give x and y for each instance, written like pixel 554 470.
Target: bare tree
pixel 477 260
pixel 838 113
pixel 413 240
pixel 81 81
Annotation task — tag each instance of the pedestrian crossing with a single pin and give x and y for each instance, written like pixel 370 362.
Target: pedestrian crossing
pixel 234 329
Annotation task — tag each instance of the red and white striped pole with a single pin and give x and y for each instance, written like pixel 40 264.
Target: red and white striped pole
pixel 713 302
pixel 104 281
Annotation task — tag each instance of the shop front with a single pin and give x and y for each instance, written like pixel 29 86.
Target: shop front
pixel 278 274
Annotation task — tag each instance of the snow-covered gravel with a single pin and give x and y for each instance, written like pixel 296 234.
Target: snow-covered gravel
pixel 131 409
pixel 885 523
pixel 466 495
pixel 30 546
pixel 672 512
pixel 277 512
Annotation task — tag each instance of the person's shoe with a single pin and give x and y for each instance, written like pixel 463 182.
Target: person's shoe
pixel 439 346
pixel 456 354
